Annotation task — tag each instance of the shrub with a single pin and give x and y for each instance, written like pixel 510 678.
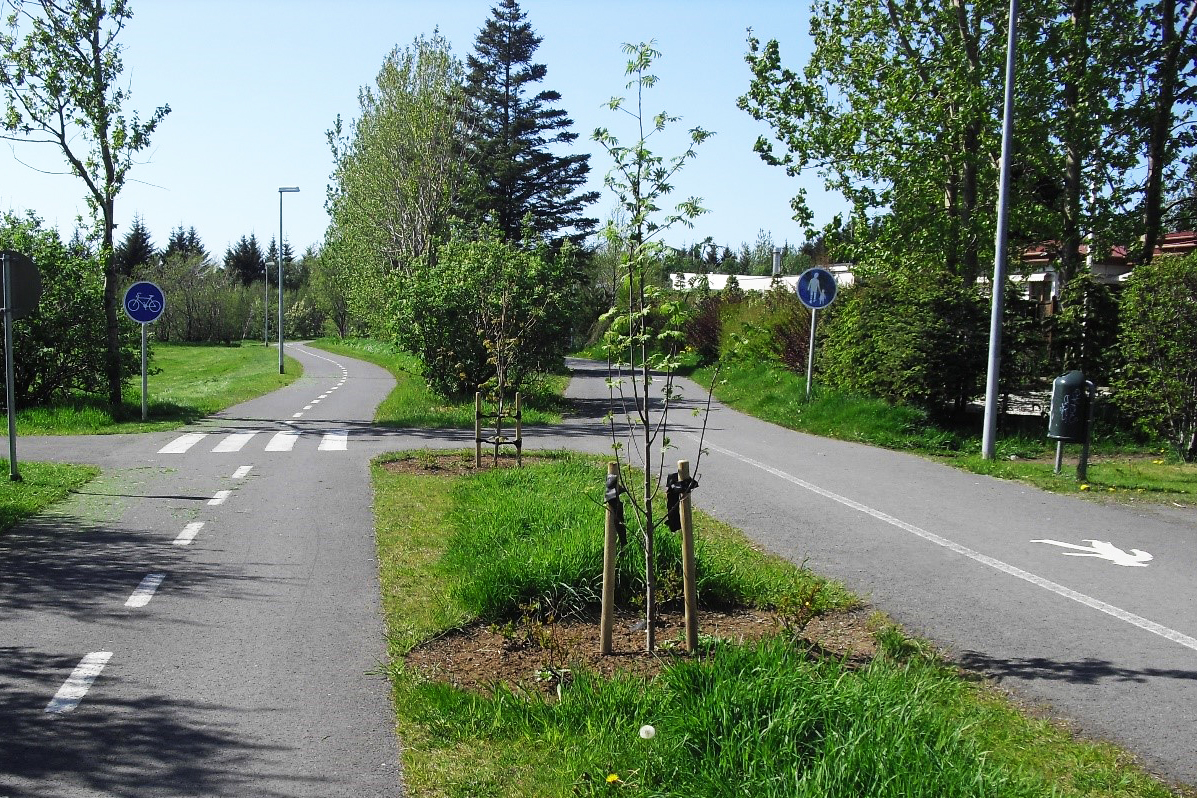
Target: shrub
pixel 485 313
pixel 1157 384
pixel 912 334
pixel 59 349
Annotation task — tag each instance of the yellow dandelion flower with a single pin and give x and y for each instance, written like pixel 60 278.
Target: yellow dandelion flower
pixel 612 778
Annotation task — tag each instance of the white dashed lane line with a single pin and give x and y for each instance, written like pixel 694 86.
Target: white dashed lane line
pixel 242 472
pixel 145 591
pixel 219 498
pixel 79 682
pixel 188 534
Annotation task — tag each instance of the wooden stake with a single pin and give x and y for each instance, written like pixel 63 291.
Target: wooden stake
pixel 689 570
pixel 478 430
pixel 519 431
pixel 607 618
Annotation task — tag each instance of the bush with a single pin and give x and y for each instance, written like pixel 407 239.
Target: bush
pixel 1157 340
pixel 485 314
pixel 913 334
pixel 58 351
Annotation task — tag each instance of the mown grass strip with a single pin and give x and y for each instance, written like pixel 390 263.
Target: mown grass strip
pixel 41 485
pixel 763 719
pixel 413 404
pixel 187 382
pixel 1116 470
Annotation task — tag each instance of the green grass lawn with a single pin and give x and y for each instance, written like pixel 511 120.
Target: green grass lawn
pixel 186 382
pixel 1117 470
pixel 762 719
pixel 41 485
pixel 413 404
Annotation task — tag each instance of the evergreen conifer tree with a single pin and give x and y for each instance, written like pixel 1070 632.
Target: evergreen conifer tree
pixel 135 251
pixel 185 242
pixel 245 260
pixel 514 133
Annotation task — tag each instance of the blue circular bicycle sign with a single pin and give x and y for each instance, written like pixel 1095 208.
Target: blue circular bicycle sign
pixel 144 302
pixel 816 288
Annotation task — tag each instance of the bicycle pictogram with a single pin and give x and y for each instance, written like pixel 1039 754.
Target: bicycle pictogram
pixel 145 302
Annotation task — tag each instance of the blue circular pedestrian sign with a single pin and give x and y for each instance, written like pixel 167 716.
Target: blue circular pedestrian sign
pixel 144 302
pixel 816 288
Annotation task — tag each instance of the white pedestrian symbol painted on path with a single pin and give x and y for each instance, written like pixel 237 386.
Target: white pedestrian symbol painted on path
pixel 1136 558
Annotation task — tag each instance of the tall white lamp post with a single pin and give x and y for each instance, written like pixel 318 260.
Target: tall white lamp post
pixel 266 304
pixel 282 190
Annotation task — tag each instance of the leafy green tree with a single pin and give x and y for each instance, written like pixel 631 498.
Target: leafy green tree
pixel 645 325
pixel 136 250
pixel 898 109
pixel 1157 384
pixel 1167 102
pixel 245 260
pixel 330 281
pixel 62 86
pixel 58 351
pixel 486 315
pixel 398 172
pixel 515 137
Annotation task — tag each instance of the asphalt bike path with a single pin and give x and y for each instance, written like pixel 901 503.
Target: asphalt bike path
pixel 1003 576
pixel 250 668
pixel 203 620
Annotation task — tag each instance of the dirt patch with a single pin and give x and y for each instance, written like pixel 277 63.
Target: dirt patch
pixel 540 656
pixel 456 464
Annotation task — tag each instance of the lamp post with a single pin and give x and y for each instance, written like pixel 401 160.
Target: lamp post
pixel 282 190
pixel 266 304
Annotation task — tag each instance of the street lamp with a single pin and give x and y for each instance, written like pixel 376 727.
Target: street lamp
pixel 282 190
pixel 266 304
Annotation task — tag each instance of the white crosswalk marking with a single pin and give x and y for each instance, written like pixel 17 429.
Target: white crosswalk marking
pixel 282 442
pixel 334 441
pixel 182 443
pixel 234 442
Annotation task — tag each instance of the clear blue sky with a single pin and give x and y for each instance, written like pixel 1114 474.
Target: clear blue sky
pixel 254 85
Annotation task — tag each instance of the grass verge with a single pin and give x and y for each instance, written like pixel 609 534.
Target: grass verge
pixel 762 719
pixel 41 485
pixel 1116 471
pixel 413 404
pixel 188 381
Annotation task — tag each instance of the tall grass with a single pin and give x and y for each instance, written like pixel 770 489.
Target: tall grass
pixel 413 404
pixel 527 536
pixel 764 719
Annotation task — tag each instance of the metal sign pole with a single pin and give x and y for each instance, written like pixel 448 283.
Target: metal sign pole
pixel 810 355
pixel 144 382
pixel 9 387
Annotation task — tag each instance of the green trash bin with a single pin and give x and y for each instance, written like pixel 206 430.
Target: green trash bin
pixel 1068 420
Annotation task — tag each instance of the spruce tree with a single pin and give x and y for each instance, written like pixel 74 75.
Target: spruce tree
pixel 135 251
pixel 245 261
pixel 514 133
pixel 184 242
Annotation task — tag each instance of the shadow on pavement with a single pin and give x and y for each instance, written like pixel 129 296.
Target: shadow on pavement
pixel 1086 671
